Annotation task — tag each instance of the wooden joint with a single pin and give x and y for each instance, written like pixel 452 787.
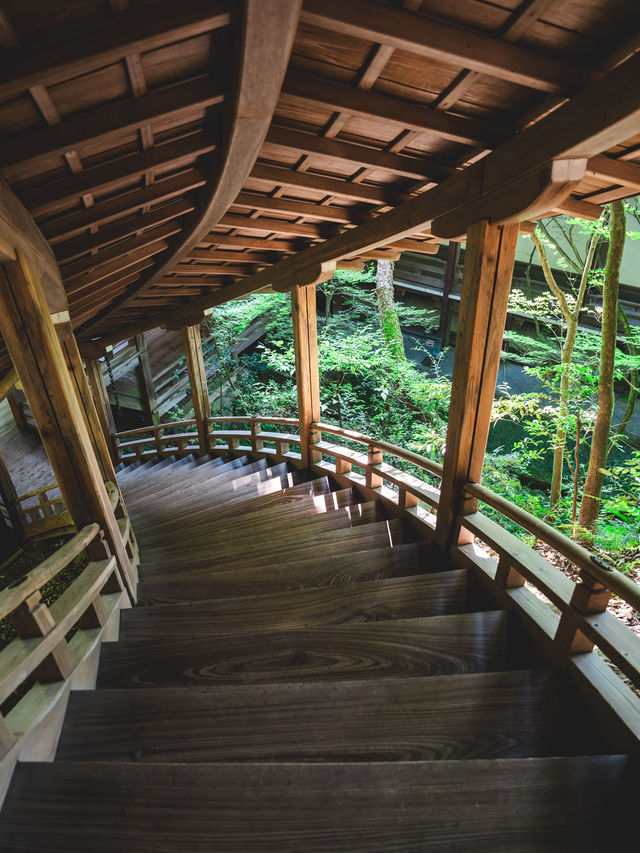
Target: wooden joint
pixel 407 499
pixel 342 466
pixel 506 576
pixel 94 616
pixel 256 443
pixel 282 447
pixel 587 600
pixel 569 639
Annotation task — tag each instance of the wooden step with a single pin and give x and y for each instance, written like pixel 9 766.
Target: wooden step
pixel 165 482
pixel 320 570
pixel 396 598
pixel 250 530
pixel 487 715
pixel 266 551
pixel 531 805
pixel 303 499
pixel 437 645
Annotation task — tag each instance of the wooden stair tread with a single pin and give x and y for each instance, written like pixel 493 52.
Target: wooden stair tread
pixel 436 645
pixel 267 551
pixel 534 805
pixel 488 715
pixel 396 598
pixel 321 570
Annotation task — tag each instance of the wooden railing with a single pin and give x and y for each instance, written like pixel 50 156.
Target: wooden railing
pixel 43 513
pixel 177 438
pixel 56 647
pixel 574 616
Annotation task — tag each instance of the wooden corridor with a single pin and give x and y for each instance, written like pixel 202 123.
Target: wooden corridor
pixel 298 676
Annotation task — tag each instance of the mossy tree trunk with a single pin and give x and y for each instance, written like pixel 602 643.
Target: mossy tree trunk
pixel 590 504
pixel 389 322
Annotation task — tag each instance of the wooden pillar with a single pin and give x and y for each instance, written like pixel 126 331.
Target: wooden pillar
pixel 10 497
pixel 85 399
pixel 145 381
pixel 103 406
pixel 305 339
pixel 35 350
pixel 486 283
pixel 447 285
pixel 198 381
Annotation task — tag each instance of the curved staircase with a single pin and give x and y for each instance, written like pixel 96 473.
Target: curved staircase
pixel 301 677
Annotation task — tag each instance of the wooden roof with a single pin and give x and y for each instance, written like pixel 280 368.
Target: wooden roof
pixel 172 152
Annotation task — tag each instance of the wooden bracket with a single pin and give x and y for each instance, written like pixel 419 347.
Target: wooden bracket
pixel 525 197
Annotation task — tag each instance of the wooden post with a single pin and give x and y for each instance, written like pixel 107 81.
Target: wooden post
pixel 103 406
pixel 486 283
pixel 145 381
pixel 447 285
pixel 85 399
pixel 305 339
pixel 35 350
pixel 198 381
pixel 9 497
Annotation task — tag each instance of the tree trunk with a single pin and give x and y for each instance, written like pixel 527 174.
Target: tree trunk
pixel 571 318
pixel 389 323
pixel 590 504
pixel 634 378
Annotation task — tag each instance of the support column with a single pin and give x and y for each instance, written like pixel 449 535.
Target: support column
pixel 103 407
pixel 35 350
pixel 198 381
pixel 486 283
pixel 305 339
pixel 87 406
pixel 10 497
pixel 145 381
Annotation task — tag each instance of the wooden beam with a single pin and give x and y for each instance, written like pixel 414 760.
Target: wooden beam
pixel 305 339
pixel 403 165
pixel 486 284
pixel 229 241
pixel 146 385
pixel 308 209
pixel 65 227
pixel 617 171
pixel 257 83
pixel 88 408
pixel 412 115
pixel 103 407
pixel 119 265
pixel 269 226
pixel 7 382
pixel 331 186
pixel 84 46
pixel 9 497
pixel 25 317
pixel 448 43
pixel 192 344
pixel 72 249
pixel 92 262
pixel 51 197
pixel 105 123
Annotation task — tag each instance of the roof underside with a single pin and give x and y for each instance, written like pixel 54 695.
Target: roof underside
pixel 116 129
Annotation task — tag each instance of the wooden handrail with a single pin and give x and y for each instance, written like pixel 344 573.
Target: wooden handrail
pixel 423 462
pixel 250 419
pixel 152 428
pixel 579 555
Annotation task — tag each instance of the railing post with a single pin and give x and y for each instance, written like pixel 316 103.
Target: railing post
pixel 103 407
pixel 198 381
pixel 374 457
pixel 30 336
pixel 145 380
pixel 486 283
pixel 257 444
pixel 305 339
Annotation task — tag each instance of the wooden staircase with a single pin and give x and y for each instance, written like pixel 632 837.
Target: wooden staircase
pixel 300 677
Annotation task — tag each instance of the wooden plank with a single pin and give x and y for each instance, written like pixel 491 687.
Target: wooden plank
pixel 528 805
pixel 51 197
pixel 417 168
pixel 463 717
pixel 305 338
pixel 449 43
pixel 486 285
pixel 340 188
pixel 436 645
pixel 192 344
pixel 412 115
pixel 89 44
pixel 122 205
pixel 105 123
pixel 67 251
